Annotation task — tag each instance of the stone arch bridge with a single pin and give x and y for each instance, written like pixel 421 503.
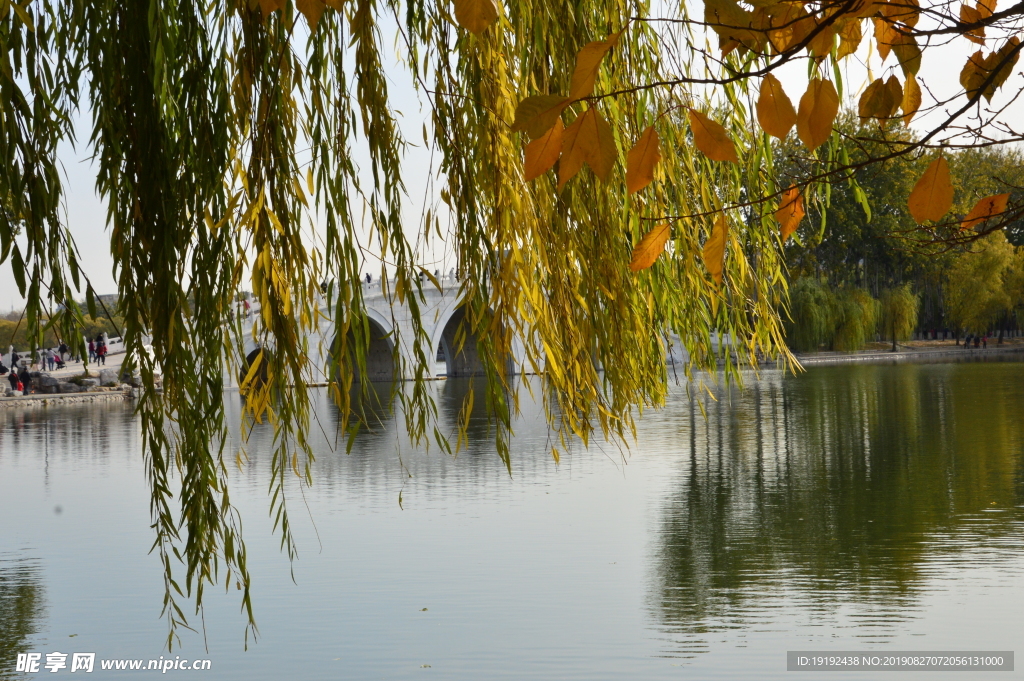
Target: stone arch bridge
pixel 391 324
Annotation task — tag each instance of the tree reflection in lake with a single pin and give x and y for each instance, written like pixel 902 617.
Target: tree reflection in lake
pixel 22 608
pixel 837 491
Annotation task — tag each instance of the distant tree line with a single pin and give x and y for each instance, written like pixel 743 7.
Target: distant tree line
pixel 874 272
pixel 14 331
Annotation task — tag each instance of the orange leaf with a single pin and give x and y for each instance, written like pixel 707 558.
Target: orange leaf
pixel 600 145
pixel 589 139
pixel 542 153
pixel 641 159
pixel 885 35
pixel 988 207
pixel 775 111
pixel 970 15
pixel 818 109
pixel 649 248
pixel 932 196
pixel 911 99
pixel 312 10
pixel 588 60
pixel 475 15
pixel 987 8
pixel 790 212
pixel 573 155
pixel 538 113
pixel 711 138
pixel 714 249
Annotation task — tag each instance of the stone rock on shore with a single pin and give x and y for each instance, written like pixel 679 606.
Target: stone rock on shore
pixel 46 384
pixel 72 388
pixel 108 377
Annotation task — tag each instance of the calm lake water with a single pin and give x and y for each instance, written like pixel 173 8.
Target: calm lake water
pixel 848 508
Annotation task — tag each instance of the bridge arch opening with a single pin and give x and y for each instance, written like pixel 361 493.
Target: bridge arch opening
pixel 461 360
pixel 261 372
pixel 381 365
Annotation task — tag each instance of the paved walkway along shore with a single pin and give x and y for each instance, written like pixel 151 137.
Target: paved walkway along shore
pixel 70 370
pixel 939 351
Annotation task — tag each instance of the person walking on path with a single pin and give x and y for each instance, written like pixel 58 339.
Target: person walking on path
pixel 13 379
pixel 101 354
pixel 92 350
pixel 984 341
pixel 26 381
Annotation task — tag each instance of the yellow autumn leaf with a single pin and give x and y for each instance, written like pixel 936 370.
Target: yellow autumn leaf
pixel 312 10
pixel 821 45
pixel 641 160
pixel 868 104
pixel 818 109
pixel 475 15
pixel 973 74
pixel 714 249
pixel 895 90
pixel 734 25
pixel 538 113
pixel 270 6
pixel 711 138
pixel 932 196
pixel 588 60
pixel 908 53
pixel 790 212
pixel 1001 62
pixel 988 207
pixel 788 24
pixel 911 99
pixel 542 153
pixel 850 35
pixel 649 248
pixel 775 111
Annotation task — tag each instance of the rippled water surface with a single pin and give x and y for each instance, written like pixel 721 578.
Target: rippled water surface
pixel 848 508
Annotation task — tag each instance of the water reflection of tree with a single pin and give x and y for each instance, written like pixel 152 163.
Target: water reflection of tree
pixel 21 609
pixel 828 489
